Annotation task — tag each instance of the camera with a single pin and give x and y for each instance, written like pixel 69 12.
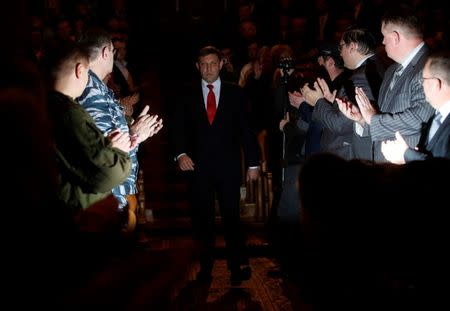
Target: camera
pixel 286 63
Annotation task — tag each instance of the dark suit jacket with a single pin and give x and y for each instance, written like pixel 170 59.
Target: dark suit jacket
pixel 216 147
pixel 403 108
pixel 439 146
pixel 347 144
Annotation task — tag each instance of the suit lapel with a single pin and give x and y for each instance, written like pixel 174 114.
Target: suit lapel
pixel 222 99
pixel 406 74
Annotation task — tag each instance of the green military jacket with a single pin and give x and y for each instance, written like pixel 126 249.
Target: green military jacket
pixel 89 167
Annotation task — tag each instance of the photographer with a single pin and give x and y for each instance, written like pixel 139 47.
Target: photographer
pixel 301 137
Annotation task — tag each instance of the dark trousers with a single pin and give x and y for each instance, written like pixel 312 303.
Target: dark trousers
pixel 205 188
pixel 285 228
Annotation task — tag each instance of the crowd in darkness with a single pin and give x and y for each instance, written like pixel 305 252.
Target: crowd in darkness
pixel 370 230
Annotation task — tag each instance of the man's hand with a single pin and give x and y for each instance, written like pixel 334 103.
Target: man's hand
pixel 350 111
pixel 394 150
pixel 120 140
pixel 284 121
pixel 296 98
pixel 185 163
pixel 146 125
pixel 252 174
pixel 365 106
pixel 326 90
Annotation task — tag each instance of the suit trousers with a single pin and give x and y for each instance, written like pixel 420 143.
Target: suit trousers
pixel 206 190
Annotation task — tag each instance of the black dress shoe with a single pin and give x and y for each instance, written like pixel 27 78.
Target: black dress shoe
pixel 239 275
pixel 204 276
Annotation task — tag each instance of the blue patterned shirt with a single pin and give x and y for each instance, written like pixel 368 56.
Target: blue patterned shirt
pixel 100 103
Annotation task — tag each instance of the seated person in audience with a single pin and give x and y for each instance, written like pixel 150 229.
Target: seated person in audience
pixel 121 81
pixel 229 71
pixel 435 138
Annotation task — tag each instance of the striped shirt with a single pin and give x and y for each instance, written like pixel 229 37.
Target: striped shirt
pixel 108 114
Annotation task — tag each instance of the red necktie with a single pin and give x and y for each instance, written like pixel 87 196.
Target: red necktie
pixel 211 104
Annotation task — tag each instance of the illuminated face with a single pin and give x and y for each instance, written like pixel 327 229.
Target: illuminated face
pixel 346 55
pixel 389 40
pixel 209 67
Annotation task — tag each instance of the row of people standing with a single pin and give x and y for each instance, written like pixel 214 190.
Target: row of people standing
pixel 95 158
pixel 362 107
pixel 401 105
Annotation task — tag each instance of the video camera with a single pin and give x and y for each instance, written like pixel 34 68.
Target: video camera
pixel 286 63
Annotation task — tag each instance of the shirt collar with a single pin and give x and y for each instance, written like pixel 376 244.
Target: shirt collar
pixel 363 60
pixel 444 110
pixel 215 83
pixel 410 56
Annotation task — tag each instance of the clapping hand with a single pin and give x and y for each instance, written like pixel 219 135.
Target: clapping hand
pixel 350 110
pixel 146 125
pixel 312 95
pixel 365 106
pixel 296 98
pixel 330 96
pixel 394 150
pixel 121 140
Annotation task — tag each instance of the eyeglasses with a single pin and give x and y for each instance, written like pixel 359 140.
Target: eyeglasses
pixel 340 46
pixel 114 50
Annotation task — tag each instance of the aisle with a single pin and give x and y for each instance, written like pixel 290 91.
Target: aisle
pixel 261 293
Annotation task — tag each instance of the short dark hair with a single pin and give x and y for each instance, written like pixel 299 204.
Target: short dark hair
pixel 405 17
pixel 62 58
pixel 331 50
pixel 208 50
pixel 367 43
pixel 94 40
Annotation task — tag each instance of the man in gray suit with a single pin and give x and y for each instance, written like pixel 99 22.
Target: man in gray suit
pixel 402 105
pixel 435 139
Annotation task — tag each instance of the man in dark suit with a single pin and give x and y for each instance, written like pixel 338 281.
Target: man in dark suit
pixel 357 49
pixel 208 131
pixel 435 139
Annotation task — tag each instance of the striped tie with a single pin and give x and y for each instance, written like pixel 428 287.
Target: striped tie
pixel 396 76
